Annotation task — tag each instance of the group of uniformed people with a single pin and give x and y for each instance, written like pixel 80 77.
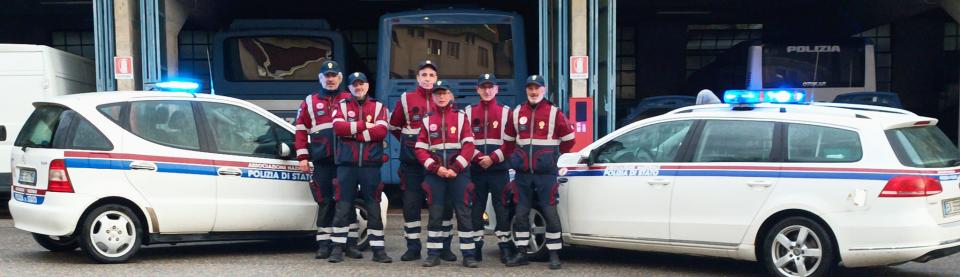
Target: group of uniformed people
pixel 453 158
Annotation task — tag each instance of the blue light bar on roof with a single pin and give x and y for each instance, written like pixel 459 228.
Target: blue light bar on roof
pixel 782 96
pixel 178 86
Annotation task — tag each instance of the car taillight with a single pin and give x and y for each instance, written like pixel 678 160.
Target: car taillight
pixel 911 186
pixel 59 180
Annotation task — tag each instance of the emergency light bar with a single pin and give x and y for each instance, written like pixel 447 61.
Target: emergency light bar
pixel 780 96
pixel 178 86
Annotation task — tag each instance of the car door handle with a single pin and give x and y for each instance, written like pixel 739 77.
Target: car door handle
pixel 759 184
pixel 229 171
pixel 143 166
pixel 562 180
pixel 658 182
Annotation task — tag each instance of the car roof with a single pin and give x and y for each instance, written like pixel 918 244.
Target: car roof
pixel 97 98
pixel 849 115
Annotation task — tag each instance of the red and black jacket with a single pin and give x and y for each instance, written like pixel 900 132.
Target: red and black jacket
pixel 445 140
pixel 541 133
pixel 359 146
pixel 407 118
pixel 489 122
pixel 314 137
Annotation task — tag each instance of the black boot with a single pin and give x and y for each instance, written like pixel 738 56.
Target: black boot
pixel 413 251
pixel 351 250
pixel 479 255
pixel 471 262
pixel 446 254
pixel 380 256
pixel 410 255
pixel 323 252
pixel 336 254
pixel 431 261
pixel 506 251
pixel 554 259
pixel 519 259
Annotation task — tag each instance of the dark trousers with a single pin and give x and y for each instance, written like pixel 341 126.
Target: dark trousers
pixel 411 183
pixel 321 187
pixel 349 178
pixel 492 184
pixel 544 189
pixel 443 193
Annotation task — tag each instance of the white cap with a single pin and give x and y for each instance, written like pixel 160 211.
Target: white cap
pixel 707 97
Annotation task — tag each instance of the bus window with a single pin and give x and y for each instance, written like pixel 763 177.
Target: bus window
pixel 463 51
pixel 275 58
pixel 810 66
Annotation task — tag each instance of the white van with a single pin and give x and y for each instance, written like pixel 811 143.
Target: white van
pixel 28 73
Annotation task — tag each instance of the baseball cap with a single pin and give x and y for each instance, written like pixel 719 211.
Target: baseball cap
pixel 329 67
pixel 357 76
pixel 427 63
pixel 534 79
pixel 442 85
pixel 487 78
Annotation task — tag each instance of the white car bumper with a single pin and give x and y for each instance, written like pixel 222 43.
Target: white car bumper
pixel 57 215
pixel 876 244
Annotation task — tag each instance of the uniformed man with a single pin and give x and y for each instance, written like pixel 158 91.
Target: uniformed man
pixel 360 123
pixel 444 148
pixel 405 122
pixel 314 142
pixel 489 172
pixel 542 134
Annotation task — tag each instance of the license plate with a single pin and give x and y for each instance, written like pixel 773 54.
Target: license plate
pixel 27 176
pixel 951 207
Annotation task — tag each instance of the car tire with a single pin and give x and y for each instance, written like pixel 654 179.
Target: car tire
pixel 798 246
pixel 537 250
pixel 111 234
pixel 58 244
pixel 363 243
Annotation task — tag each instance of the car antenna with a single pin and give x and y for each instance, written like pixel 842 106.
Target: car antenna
pixel 210 71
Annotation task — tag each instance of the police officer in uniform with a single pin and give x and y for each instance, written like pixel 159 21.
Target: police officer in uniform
pixel 405 124
pixel 314 142
pixel 542 134
pixel 360 123
pixel 444 147
pixel 489 121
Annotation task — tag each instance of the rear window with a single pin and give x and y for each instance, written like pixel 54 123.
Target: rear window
pixel 40 127
pixel 60 128
pixel 924 146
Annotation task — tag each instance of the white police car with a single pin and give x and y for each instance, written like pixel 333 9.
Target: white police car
pixel 801 188
pixel 110 171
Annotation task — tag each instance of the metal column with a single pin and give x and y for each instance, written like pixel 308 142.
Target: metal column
pixel 152 46
pixel 104 44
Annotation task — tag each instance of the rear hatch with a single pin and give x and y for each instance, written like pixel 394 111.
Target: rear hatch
pixel 37 159
pixel 926 148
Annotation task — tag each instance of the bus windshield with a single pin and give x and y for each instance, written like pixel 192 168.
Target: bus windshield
pixel 815 65
pixel 275 58
pixel 461 51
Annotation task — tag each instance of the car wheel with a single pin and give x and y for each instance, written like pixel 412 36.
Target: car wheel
pixel 537 249
pixel 798 246
pixel 111 234
pixel 57 243
pixel 362 242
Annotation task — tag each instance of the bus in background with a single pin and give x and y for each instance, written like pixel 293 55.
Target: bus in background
pixel 462 43
pixel 824 70
pixel 274 63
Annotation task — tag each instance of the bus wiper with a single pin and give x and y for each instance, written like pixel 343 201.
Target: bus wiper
pixel 954 162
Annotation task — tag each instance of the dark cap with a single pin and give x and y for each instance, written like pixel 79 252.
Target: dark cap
pixel 427 63
pixel 442 85
pixel 328 67
pixel 356 76
pixel 534 79
pixel 487 78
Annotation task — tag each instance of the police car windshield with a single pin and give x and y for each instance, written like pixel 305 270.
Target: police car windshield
pixel 924 146
pixel 463 51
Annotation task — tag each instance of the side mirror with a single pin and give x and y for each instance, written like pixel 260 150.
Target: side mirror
pixel 588 157
pixel 284 150
pixel 3 133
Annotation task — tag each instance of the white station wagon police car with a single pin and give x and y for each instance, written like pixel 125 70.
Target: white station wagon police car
pixel 110 171
pixel 801 188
